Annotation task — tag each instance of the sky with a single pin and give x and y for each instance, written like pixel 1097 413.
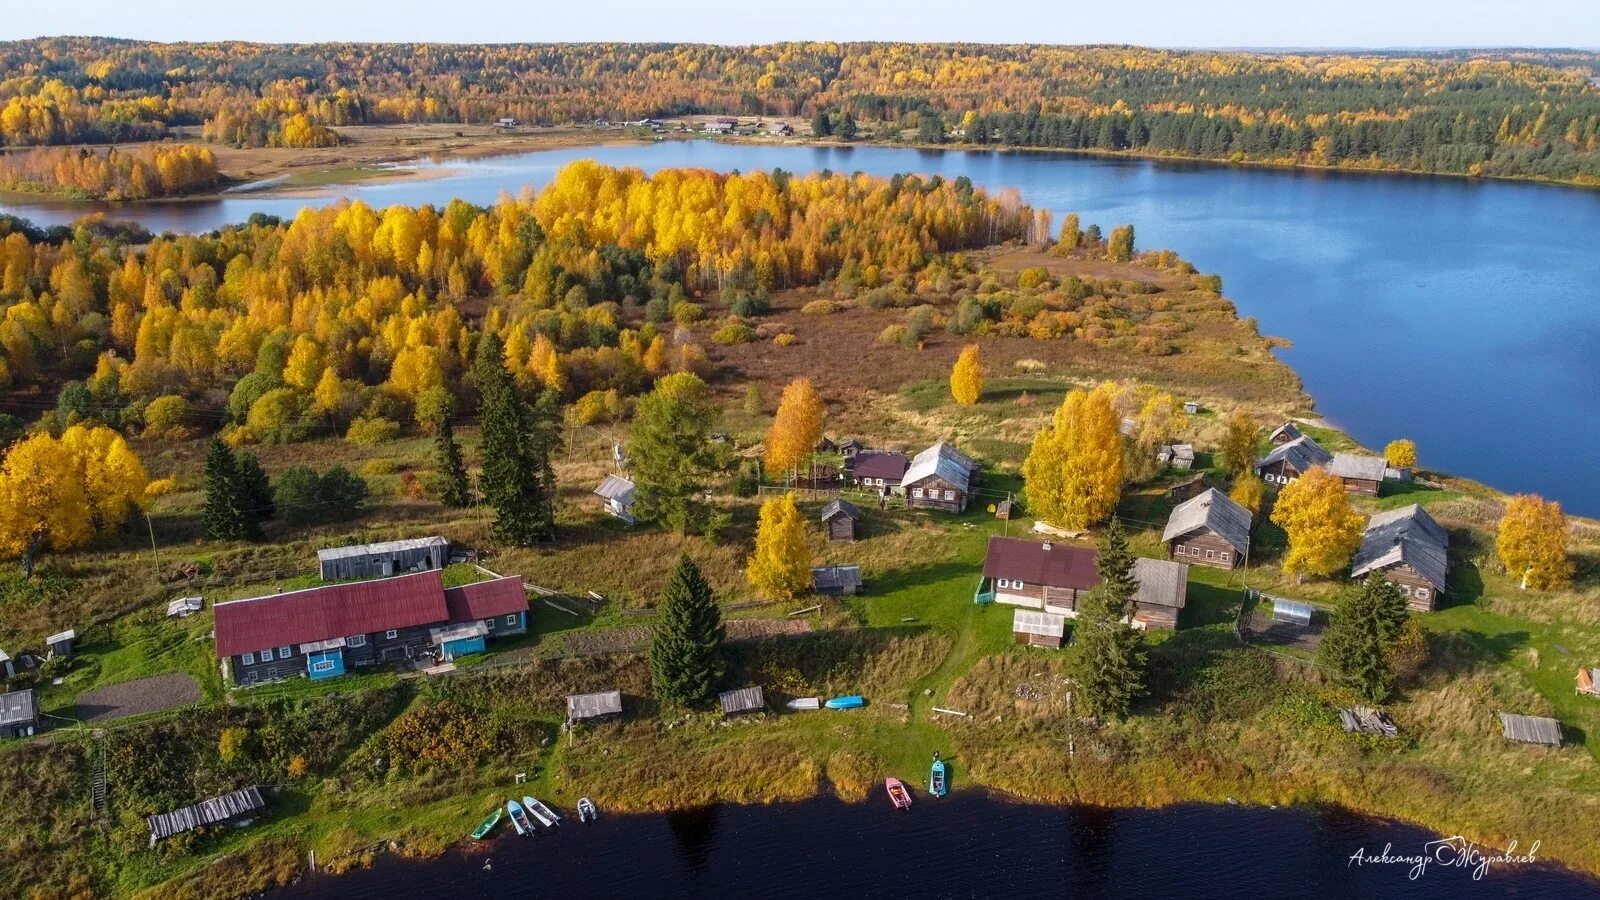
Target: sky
pixel 1160 23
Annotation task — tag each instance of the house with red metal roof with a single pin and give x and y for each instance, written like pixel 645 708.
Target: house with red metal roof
pixel 324 631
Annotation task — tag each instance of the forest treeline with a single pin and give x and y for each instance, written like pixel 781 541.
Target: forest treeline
pixel 1501 113
pixel 350 317
pixel 159 170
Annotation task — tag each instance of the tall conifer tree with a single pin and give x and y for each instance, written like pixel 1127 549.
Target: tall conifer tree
pixel 518 480
pixel 227 513
pixel 455 489
pixel 687 664
pixel 1109 662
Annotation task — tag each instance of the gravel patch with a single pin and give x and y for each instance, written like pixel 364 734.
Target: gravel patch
pixel 132 698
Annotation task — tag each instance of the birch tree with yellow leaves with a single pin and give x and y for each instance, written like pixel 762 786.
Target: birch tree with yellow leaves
pixel 966 377
pixel 59 493
pixel 1074 469
pixel 796 429
pixel 1532 543
pixel 1324 529
pixel 780 567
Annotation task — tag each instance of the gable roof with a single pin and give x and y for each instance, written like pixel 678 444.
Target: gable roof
pixel 838 506
pixel 330 611
pixel 825 578
pixel 1405 535
pixel 486 599
pixel 1162 582
pixel 1287 429
pixel 886 464
pixel 1358 466
pixel 615 487
pixel 1043 563
pixel 17 707
pixel 1303 453
pixel 944 461
pixel 1531 729
pixel 1214 511
pixel 380 549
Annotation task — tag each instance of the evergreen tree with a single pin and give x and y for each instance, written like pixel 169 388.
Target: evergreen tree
pixel 517 481
pixel 1356 645
pixel 455 488
pixel 821 125
pixel 226 515
pixel 847 127
pixel 257 488
pixel 686 650
pixel 1109 662
pixel 669 452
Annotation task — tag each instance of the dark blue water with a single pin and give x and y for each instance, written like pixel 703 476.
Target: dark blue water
pixel 967 845
pixel 1464 315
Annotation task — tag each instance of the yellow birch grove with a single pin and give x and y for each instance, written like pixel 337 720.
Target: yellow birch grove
pixel 1532 543
pixel 966 377
pixel 58 493
pixel 1074 469
pixel 780 567
pixel 1324 529
pixel 796 429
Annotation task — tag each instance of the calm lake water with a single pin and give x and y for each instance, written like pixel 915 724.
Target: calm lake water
pixel 1463 315
pixel 967 845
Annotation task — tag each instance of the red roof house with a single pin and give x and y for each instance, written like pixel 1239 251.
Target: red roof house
pixel 486 599
pixel 330 611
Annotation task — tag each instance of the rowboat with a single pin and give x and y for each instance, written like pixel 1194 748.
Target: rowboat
pixel 587 811
pixel 519 818
pixel 936 785
pixel 487 826
pixel 546 816
pixel 898 795
pixel 850 701
pixel 805 703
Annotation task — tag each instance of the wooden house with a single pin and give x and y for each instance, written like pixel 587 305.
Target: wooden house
pixel 878 470
pixel 1360 474
pixel 1288 461
pixel 384 559
pixel 827 446
pixel 839 519
pixel 742 701
pixel 602 706
pixel 1541 730
pixel 1283 434
pixel 62 644
pixel 618 493
pixel 321 632
pixel 1190 487
pixel 836 581
pixel 19 714
pixel 1037 575
pixel 1589 682
pixel 850 449
pixel 240 804
pixel 1163 592
pixel 939 477
pixel 1407 547
pixel 1210 530
pixel 1037 628
pixel 1176 456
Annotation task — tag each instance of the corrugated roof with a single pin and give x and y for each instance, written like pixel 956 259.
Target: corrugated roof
pixel 839 507
pixel 17 706
pixel 1162 582
pixel 1031 621
pixel 886 464
pixel 591 706
pixel 1407 535
pixel 329 611
pixel 1062 565
pixel 943 460
pixel 486 599
pixel 206 812
pixel 1356 465
pixel 1287 429
pixel 1214 511
pixel 68 635
pixel 824 578
pixel 1531 729
pixel 1303 453
pixel 614 487
pixel 380 549
pixel 742 700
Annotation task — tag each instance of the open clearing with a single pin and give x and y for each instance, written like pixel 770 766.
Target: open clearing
pixel 132 698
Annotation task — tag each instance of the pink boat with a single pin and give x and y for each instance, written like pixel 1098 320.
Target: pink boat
pixel 898 795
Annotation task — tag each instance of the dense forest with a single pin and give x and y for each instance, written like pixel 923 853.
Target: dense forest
pixel 1499 113
pixel 152 171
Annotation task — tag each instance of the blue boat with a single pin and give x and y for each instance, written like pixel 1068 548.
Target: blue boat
pixel 851 701
pixel 936 783
pixel 519 818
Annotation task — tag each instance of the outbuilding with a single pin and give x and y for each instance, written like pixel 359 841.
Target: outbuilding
pixel 62 644
pixel 742 701
pixel 1541 730
pixel 1163 592
pixel 1037 628
pixel 1292 612
pixel 1360 474
pixel 602 706
pixel 227 808
pixel 618 493
pixel 839 519
pixel 19 714
pixel 1283 434
pixel 836 581
pixel 384 559
pixel 184 607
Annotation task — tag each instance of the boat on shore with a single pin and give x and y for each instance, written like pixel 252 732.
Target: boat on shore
pixel 936 783
pixel 805 703
pixel 587 811
pixel 898 795
pixel 546 816
pixel 519 818
pixel 487 826
pixel 849 701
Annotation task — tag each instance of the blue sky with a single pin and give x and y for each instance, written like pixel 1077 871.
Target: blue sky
pixel 1166 23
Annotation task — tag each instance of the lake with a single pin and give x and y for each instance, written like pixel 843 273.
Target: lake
pixel 1464 315
pixel 967 845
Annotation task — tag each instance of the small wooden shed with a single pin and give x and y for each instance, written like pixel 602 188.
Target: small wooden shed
pixel 226 808
pixel 742 701
pixel 1589 682
pixel 1002 510
pixel 184 607
pixel 1039 629
pixel 62 644
pixel 601 706
pixel 836 581
pixel 839 519
pixel 1541 730
pixel 19 714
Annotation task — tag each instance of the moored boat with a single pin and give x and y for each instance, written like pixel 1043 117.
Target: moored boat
pixel 487 826
pixel 805 703
pixel 936 783
pixel 849 701
pixel 587 811
pixel 898 795
pixel 519 818
pixel 546 816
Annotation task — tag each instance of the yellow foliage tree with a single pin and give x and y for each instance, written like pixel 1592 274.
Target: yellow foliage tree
pixel 1401 454
pixel 1324 529
pixel 57 493
pixel 966 378
pixel 1532 543
pixel 305 364
pixel 1074 468
pixel 780 567
pixel 1249 492
pixel 796 428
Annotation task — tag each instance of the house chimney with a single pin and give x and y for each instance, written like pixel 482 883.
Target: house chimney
pixel 1047 545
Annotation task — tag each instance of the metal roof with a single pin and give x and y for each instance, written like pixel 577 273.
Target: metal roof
pixel 185 605
pixel 380 549
pixel 462 631
pixel 593 706
pixel 486 599
pixel 17 706
pixel 329 611
pixel 1162 582
pixel 615 487
pixel 742 700
pixel 1359 466
pixel 1531 729
pixel 68 635
pixel 1303 453
pixel 1043 563
pixel 943 460
pixel 836 577
pixel 1405 535
pixel 1214 511
pixel 1288 429
pixel 206 812
pixel 1292 611
pixel 1031 621
pixel 839 506
pixel 886 464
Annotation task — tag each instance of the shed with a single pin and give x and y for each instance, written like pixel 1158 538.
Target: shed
pixel 1291 611
pixel 184 607
pixel 382 559
pixel 1589 682
pixel 1366 720
pixel 836 580
pixel 19 716
pixel 1178 456
pixel 1190 487
pixel 1360 473
pixel 1191 407
pixel 826 445
pixel 839 519
pixel 62 644
pixel 618 492
pixel 237 805
pixel 1163 592
pixel 1002 510
pixel 741 701
pixel 1037 628
pixel 1540 730
pixel 8 666
pixel 597 707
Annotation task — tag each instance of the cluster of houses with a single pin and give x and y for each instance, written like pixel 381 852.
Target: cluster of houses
pixel 1293 454
pixel 940 477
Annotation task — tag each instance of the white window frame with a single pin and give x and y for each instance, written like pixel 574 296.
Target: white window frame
pixel 489 622
pixel 1222 556
pixel 266 655
pixel 949 495
pixel 285 652
pixel 1422 593
pixel 248 659
pixel 391 634
pixel 917 493
pixel 1211 554
pixel 356 640
pixel 511 619
pixel 322 665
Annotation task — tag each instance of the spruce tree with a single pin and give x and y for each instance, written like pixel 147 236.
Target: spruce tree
pixel 518 480
pixel 256 487
pixel 1356 645
pixel 1109 662
pixel 226 515
pixel 686 650
pixel 455 489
